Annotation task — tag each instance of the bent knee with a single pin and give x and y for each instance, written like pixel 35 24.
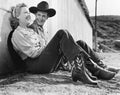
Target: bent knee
pixel 63 31
pixel 81 42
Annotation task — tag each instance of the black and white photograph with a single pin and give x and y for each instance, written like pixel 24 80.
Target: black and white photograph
pixel 59 47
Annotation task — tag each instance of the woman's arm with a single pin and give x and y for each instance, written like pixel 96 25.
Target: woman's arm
pixel 24 44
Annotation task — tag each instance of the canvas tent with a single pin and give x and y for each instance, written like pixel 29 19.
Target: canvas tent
pixel 70 14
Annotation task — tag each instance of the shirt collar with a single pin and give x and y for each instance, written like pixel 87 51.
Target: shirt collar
pixel 38 26
pixel 35 22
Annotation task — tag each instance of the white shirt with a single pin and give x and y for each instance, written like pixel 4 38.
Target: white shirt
pixel 27 42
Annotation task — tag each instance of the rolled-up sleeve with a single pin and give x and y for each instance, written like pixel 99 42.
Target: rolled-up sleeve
pixel 24 44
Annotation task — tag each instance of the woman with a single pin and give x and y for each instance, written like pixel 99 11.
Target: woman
pixel 42 58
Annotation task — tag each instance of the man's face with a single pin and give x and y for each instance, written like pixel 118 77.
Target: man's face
pixel 24 16
pixel 41 17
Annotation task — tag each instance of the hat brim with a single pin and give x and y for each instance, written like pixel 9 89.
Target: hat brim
pixel 51 12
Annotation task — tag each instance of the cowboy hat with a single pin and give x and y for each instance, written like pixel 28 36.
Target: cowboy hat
pixel 44 7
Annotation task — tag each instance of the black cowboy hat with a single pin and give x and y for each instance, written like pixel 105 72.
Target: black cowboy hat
pixel 44 7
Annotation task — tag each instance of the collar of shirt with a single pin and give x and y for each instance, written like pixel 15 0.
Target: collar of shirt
pixel 39 28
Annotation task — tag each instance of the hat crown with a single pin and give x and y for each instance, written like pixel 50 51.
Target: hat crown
pixel 43 5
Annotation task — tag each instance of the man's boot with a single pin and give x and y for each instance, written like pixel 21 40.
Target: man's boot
pixel 90 75
pixel 79 72
pixel 104 74
pixel 112 69
pixel 100 72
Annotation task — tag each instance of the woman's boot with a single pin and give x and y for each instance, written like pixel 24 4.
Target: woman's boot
pixel 79 71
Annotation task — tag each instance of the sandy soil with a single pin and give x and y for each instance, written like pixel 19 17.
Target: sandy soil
pixel 60 83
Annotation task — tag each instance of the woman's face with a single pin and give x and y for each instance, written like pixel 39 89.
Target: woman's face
pixel 24 16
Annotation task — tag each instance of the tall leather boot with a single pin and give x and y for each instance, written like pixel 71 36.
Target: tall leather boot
pixel 90 75
pixel 109 68
pixel 100 72
pixel 79 72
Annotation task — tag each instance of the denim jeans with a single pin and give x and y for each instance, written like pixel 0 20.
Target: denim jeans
pixel 61 44
pixel 93 55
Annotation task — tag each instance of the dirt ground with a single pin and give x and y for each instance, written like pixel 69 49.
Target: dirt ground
pixel 60 83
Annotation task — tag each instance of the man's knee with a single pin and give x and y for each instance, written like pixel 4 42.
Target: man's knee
pixel 81 42
pixel 62 31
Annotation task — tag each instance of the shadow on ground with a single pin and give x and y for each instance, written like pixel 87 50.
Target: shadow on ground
pixel 60 83
pixel 50 81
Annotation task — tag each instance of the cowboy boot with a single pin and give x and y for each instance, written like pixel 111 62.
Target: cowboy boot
pixel 90 75
pixel 100 72
pixel 87 61
pixel 79 72
pixel 113 69
pixel 109 68
pixel 104 74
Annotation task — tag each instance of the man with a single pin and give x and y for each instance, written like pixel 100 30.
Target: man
pixel 40 57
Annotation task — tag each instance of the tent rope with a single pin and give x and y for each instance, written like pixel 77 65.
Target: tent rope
pixel 5 10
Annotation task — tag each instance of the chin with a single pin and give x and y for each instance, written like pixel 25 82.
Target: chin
pixel 40 23
pixel 29 22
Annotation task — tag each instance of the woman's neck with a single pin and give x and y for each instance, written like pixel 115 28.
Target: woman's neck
pixel 22 25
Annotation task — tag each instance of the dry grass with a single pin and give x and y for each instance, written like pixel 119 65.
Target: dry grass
pixel 60 83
